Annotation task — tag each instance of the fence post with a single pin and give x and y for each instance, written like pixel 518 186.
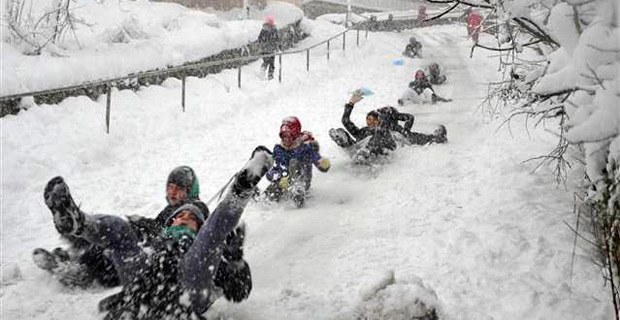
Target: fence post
pixel 327 50
pixel 308 60
pixel 280 68
pixel 344 40
pixel 108 101
pixel 358 36
pixel 366 32
pixel 183 93
pixel 239 77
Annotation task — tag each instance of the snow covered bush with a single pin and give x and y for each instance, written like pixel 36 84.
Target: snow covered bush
pixel 569 78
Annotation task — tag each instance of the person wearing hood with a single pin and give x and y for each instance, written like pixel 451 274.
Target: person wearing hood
pixel 294 157
pixel 83 263
pixel 184 271
pixel 269 42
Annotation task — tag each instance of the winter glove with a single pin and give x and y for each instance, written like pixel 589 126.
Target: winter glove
pixel 356 97
pixel 284 183
pixel 324 165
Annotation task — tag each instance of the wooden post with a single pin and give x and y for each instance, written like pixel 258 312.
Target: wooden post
pixel 308 60
pixel 239 77
pixel 344 40
pixel 358 36
pixel 327 50
pixel 107 112
pixel 280 68
pixel 183 93
pixel 367 32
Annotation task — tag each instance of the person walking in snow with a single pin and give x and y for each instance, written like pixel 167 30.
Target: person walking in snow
pixel 85 263
pixel 297 152
pixel 421 91
pixel 413 48
pixel 184 271
pixel 269 42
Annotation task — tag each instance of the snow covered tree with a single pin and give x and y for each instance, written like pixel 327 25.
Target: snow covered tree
pixel 571 76
pixel 35 25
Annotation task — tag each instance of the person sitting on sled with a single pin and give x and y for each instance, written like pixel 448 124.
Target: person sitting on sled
pixel 434 74
pixel 420 91
pixel 294 156
pixel 83 264
pixel 413 48
pixel 377 137
pixel 186 268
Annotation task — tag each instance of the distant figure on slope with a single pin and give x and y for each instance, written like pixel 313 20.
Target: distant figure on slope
pixel 84 263
pixel 291 174
pixel 186 268
pixel 434 74
pixel 413 48
pixel 474 20
pixel 269 41
pixel 420 91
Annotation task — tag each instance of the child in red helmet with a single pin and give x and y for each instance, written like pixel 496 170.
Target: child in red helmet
pixel 291 174
pixel 420 90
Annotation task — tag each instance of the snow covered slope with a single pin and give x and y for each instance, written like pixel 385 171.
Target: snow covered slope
pixel 467 217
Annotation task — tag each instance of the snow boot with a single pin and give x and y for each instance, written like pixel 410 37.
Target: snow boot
pixel 341 137
pixel 254 170
pixel 441 134
pixel 68 219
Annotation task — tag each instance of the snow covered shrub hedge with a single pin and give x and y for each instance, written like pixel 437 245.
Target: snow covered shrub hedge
pixel 574 83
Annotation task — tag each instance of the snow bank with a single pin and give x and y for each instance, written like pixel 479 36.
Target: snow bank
pixel 130 36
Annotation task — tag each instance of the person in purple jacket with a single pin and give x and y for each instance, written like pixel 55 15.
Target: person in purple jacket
pixel 291 174
pixel 184 271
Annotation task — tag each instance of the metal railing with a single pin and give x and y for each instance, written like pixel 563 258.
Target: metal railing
pixel 110 83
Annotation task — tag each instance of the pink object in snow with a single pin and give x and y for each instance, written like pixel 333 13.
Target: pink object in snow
pixel 270 20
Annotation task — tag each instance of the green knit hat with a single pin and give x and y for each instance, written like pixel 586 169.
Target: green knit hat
pixel 185 177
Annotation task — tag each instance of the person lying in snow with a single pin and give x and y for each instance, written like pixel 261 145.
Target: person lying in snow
pixel 420 91
pixel 186 269
pixel 434 74
pixel 291 175
pixel 380 134
pixel 413 48
pixel 84 263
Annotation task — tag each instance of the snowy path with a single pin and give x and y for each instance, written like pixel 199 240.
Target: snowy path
pixel 467 217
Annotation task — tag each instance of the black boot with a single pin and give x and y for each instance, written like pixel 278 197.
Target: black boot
pixel 68 219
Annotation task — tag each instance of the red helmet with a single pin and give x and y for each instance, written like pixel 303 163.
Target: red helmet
pixel 419 75
pixel 290 129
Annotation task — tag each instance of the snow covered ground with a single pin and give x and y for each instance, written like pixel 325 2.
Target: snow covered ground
pixel 468 217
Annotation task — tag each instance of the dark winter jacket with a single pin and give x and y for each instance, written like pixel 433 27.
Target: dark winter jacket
pixel 357 133
pixel 390 118
pixel 420 85
pixel 156 293
pixel 380 137
pixel 269 39
pixel 413 49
